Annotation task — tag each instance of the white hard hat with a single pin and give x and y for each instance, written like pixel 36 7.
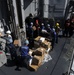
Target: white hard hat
pixel 31 23
pixel 53 29
pixel 9 36
pixel 8 32
pixel 42 24
pixel 48 25
pixel 1 29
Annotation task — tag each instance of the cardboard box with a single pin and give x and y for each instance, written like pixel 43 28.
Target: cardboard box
pixel 34 67
pixel 44 43
pixel 37 38
pixel 36 44
pixel 34 28
pixel 49 45
pixel 17 43
pixel 35 61
pixel 38 56
pixel 39 51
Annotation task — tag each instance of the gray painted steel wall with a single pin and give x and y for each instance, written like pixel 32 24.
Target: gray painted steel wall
pixel 46 8
pixel 59 7
pixel 30 7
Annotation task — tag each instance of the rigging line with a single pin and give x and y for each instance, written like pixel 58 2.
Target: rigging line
pixel 58 57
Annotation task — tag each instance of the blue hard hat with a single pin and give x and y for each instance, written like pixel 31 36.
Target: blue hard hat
pixel 26 42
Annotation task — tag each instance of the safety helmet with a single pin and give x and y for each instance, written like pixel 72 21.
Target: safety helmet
pixel 42 24
pixel 57 24
pixel 9 35
pixel 54 29
pixel 48 25
pixel 8 32
pixel 1 29
pixel 31 23
pixel 26 42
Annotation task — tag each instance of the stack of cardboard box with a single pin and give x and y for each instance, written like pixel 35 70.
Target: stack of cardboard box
pixel 42 42
pixel 37 59
pixel 42 46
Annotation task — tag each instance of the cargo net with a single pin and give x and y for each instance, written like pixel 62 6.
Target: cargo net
pixel 47 58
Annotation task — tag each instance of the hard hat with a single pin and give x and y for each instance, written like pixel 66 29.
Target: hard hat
pixel 1 29
pixel 8 32
pixel 53 29
pixel 31 23
pixel 9 36
pixel 48 25
pixel 57 24
pixel 26 42
pixel 42 24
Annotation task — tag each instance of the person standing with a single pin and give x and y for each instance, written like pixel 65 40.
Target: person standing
pixel 28 23
pixel 72 27
pixel 57 29
pixel 37 25
pixel 31 36
pixel 67 28
pixel 53 35
pixel 43 30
